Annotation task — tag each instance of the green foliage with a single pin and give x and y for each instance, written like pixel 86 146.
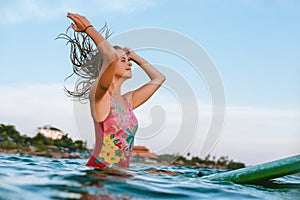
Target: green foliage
pixel 80 145
pixel 235 165
pixel 65 142
pixel 222 162
pixel 39 140
pixel 197 160
pixel 8 145
pixel 40 145
pixel 9 131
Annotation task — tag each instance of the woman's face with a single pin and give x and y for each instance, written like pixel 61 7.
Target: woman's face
pixel 124 65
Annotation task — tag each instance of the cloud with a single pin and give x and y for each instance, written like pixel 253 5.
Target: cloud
pixel 15 12
pixel 251 111
pixel 30 106
pixel 124 7
pixel 255 135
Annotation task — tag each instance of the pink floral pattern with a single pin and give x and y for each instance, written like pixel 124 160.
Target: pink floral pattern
pixel 119 129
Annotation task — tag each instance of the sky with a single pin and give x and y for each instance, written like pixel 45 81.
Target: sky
pixel 254 46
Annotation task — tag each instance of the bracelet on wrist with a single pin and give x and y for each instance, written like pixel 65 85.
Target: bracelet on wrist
pixel 88 27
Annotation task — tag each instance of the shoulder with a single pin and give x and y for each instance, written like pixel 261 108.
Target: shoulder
pixel 105 98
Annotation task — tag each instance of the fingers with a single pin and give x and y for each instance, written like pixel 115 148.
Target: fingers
pixel 71 16
pixel 75 19
pixel 80 22
pixel 127 50
pixel 74 26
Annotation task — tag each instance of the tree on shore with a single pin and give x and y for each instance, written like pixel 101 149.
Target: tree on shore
pixel 10 136
pixel 9 131
pixel 12 139
pixel 222 162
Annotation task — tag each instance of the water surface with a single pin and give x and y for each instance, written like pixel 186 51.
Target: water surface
pixel 31 177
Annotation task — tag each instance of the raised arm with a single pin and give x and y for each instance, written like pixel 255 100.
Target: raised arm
pixel 108 53
pixel 142 94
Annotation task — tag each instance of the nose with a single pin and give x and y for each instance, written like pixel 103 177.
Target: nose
pixel 129 64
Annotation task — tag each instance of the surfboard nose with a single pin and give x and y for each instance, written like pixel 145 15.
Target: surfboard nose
pixel 261 172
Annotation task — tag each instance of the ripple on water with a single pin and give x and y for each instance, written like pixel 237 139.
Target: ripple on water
pixel 30 177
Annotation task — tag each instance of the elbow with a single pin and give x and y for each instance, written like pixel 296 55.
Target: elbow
pixel 160 80
pixel 163 79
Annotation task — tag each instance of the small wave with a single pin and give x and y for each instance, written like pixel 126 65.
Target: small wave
pixel 30 177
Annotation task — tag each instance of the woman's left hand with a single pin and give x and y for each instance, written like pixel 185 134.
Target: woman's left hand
pixel 130 53
pixel 80 22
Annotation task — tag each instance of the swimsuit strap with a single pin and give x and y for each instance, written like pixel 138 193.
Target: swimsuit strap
pixel 128 103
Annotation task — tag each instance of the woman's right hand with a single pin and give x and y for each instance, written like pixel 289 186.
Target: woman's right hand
pixel 80 22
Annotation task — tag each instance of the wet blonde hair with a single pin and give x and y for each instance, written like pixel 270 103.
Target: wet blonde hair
pixel 86 59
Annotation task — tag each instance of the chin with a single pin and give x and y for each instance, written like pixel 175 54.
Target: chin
pixel 128 75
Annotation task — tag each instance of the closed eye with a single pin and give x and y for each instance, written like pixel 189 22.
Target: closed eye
pixel 123 59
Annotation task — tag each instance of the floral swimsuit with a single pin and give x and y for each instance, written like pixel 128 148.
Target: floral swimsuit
pixel 114 137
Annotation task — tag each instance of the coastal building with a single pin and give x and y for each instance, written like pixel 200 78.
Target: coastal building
pixel 50 132
pixel 142 154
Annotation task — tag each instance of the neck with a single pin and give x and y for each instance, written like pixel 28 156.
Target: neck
pixel 115 88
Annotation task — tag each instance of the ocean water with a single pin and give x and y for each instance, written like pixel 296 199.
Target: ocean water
pixel 31 177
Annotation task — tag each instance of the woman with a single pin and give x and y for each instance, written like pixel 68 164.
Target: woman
pixel 114 121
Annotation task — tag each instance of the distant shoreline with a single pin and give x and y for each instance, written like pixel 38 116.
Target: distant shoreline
pixel 65 155
pixel 53 143
pixel 48 154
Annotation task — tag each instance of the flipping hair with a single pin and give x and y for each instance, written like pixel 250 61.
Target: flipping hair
pixel 86 59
